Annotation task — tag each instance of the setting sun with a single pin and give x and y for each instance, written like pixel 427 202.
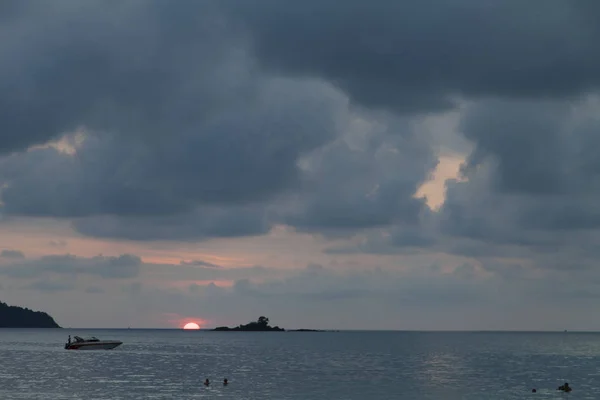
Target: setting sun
pixel 191 325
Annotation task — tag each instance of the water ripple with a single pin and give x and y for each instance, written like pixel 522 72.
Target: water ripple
pixel 163 364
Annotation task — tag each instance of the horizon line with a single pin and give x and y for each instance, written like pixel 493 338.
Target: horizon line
pixel 342 330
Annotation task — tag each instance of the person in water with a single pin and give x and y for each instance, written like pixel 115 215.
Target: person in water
pixel 206 382
pixel 225 382
pixel 565 387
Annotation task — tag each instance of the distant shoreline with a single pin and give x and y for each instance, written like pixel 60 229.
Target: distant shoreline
pixel 320 330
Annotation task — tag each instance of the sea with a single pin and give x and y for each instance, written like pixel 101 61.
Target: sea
pixel 356 365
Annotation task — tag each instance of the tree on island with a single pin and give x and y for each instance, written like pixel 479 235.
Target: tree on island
pixel 260 325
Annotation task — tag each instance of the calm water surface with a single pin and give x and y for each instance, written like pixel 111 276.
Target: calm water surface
pixel 170 364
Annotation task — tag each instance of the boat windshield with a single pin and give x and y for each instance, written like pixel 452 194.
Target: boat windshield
pixel 86 339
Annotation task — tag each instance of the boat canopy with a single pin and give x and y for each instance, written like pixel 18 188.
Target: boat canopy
pixel 86 339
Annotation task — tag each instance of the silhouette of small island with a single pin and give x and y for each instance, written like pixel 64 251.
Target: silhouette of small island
pixel 261 325
pixel 18 317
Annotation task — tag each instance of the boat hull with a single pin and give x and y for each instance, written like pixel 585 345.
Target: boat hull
pixel 105 345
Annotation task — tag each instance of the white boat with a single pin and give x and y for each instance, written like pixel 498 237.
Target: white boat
pixel 91 343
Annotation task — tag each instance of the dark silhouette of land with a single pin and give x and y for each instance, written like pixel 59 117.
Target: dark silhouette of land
pixel 18 317
pixel 262 325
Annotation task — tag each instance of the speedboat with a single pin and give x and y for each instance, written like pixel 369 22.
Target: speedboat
pixel 91 343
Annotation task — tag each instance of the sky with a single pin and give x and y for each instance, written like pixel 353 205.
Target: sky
pixel 426 165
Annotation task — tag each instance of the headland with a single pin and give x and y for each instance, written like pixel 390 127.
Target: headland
pixel 19 317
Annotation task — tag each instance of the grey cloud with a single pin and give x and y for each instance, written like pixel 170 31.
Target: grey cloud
pixel 189 132
pixel 536 148
pixel 193 272
pixel 148 67
pixel 533 177
pixel 193 288
pixel 220 120
pixel 422 286
pixel 310 297
pixel 121 63
pixel 127 266
pixel 482 248
pixel 201 223
pixel 94 290
pixel 511 272
pixel 12 254
pixel 121 267
pixel 200 263
pixel 133 288
pixel 420 57
pixel 352 184
pixel 349 184
pixel 466 271
pixel 423 235
pixel 206 291
pixel 240 156
pixel 527 140
pixel 403 238
pixel 50 286
pixel 176 117
pixel 413 297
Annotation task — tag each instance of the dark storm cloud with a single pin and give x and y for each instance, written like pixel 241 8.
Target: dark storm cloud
pixel 240 156
pixel 529 194
pixel 352 186
pixel 416 56
pixel 198 116
pixel 529 141
pixel 534 171
pixel 107 65
pixel 178 120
